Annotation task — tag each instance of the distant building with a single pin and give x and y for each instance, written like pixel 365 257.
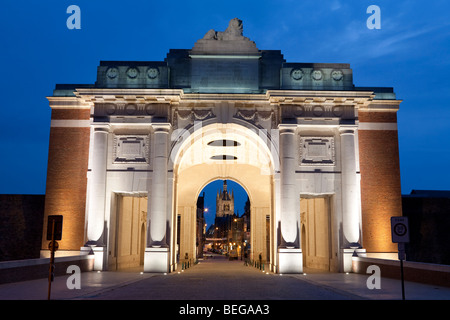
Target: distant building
pixel 428 213
pixel 224 202
pixel 230 231
pixel 225 214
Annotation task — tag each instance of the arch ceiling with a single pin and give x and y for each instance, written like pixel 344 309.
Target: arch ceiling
pixel 224 151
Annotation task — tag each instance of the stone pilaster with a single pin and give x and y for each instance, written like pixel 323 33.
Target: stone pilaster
pixel 157 251
pixel 289 252
pixel 351 203
pixel 289 220
pixel 350 192
pixel 97 187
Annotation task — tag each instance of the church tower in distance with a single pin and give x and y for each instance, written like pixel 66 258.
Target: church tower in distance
pixel 224 202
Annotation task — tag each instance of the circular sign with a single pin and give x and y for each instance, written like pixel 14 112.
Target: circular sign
pixel 400 229
pixel 53 245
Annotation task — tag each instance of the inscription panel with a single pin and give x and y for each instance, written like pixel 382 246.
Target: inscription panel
pixel 317 151
pixel 131 149
pixel 224 75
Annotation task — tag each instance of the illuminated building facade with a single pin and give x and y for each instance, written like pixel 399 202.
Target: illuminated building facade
pixel 130 154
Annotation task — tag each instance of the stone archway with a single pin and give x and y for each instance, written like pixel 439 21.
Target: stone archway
pixel 228 152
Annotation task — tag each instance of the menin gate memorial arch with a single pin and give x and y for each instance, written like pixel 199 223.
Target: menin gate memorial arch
pixel 129 155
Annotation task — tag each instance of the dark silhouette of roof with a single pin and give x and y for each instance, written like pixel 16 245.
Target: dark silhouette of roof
pixel 429 194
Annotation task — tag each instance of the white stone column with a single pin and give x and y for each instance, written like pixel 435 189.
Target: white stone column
pixel 350 191
pixel 157 252
pixel 97 192
pixel 158 195
pixel 289 219
pixel 351 204
pixel 97 187
pixel 289 252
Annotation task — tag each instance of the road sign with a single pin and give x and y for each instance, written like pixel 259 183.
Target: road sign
pixel 58 219
pixel 400 235
pixel 399 229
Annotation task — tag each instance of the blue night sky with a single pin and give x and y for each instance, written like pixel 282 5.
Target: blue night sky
pixel 411 52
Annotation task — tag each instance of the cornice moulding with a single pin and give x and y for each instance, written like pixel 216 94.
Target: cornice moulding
pixel 67 103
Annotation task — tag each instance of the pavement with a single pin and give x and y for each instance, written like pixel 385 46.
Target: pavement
pixel 220 279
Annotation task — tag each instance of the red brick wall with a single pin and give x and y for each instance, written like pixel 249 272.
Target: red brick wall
pixel 67 178
pixel 380 182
